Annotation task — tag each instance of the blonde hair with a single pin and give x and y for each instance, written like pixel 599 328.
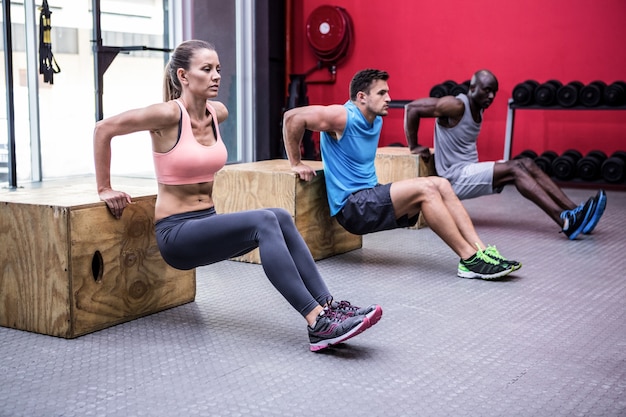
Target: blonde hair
pixel 181 57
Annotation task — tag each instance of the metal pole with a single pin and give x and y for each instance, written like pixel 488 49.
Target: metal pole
pixel 8 68
pixel 103 56
pixel 33 90
pixel 508 135
pixel 97 46
pixel 166 29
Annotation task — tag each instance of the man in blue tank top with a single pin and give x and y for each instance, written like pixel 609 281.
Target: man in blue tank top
pixel 349 140
pixel 459 120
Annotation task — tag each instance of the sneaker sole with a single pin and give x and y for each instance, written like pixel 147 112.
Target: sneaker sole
pixel 323 344
pixel 473 275
pixel 595 218
pixel 374 316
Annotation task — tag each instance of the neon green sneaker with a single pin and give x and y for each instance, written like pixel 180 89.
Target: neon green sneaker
pixel 482 266
pixel 493 253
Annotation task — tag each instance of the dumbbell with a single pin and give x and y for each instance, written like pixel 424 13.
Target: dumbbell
pixel 527 153
pixel 545 94
pixel 544 161
pixel 442 89
pixel 613 168
pixel 589 168
pixel 592 94
pixel 567 95
pixel 615 94
pixel 524 93
pixel 462 88
pixel 564 166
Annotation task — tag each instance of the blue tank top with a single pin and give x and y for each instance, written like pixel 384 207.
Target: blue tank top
pixel 349 160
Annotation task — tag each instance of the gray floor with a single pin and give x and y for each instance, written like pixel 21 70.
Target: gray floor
pixel 548 341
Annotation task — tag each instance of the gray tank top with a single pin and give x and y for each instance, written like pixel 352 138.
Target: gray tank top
pixel 456 146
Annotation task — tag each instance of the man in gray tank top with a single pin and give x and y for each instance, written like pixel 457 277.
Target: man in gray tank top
pixel 456 157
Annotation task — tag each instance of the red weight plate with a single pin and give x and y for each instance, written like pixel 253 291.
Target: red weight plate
pixel 326 28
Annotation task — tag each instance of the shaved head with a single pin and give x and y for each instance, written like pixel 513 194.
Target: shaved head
pixel 484 77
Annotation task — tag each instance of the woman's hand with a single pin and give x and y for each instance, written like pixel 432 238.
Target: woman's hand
pixel 116 201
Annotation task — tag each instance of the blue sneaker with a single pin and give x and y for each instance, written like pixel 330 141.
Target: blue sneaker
pixel 600 199
pixel 575 220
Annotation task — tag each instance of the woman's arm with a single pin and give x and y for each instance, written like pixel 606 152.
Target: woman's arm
pixel 152 118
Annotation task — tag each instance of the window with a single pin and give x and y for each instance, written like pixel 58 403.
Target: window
pixel 60 140
pixel 67 107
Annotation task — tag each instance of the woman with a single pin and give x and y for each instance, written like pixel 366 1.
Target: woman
pixel 188 150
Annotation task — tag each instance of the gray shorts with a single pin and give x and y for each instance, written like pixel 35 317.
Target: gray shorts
pixel 371 210
pixel 474 180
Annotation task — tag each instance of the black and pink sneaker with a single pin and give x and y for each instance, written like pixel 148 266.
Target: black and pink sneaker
pixel 332 328
pixel 373 312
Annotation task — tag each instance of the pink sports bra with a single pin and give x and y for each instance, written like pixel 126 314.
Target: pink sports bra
pixel 190 162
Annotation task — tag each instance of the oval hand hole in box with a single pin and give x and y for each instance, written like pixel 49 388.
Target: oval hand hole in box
pixel 97 266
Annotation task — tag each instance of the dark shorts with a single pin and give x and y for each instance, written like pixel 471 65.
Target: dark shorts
pixel 371 210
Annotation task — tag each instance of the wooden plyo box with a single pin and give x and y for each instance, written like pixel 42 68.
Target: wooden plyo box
pixel 68 267
pixel 395 163
pixel 266 184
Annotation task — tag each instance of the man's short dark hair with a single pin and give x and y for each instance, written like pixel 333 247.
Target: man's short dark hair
pixel 362 81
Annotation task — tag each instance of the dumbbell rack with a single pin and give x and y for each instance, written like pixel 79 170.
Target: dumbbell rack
pixel 510 118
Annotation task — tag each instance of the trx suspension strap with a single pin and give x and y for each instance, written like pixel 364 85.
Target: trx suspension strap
pixel 47 64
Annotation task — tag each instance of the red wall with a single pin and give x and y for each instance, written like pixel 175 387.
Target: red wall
pixel 424 43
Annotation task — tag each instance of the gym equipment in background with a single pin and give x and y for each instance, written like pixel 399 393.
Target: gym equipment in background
pixel 545 94
pixel 564 166
pixel 531 95
pixel 443 89
pixel 461 88
pixel 595 166
pixel 592 94
pixel 526 153
pixel 589 168
pixel 524 93
pixel 568 95
pixel 615 94
pixel 613 167
pixel 575 93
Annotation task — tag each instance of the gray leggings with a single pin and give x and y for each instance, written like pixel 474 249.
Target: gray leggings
pixel 190 240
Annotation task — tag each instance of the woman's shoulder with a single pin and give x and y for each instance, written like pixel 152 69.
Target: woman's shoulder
pixel 168 110
pixel 221 111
